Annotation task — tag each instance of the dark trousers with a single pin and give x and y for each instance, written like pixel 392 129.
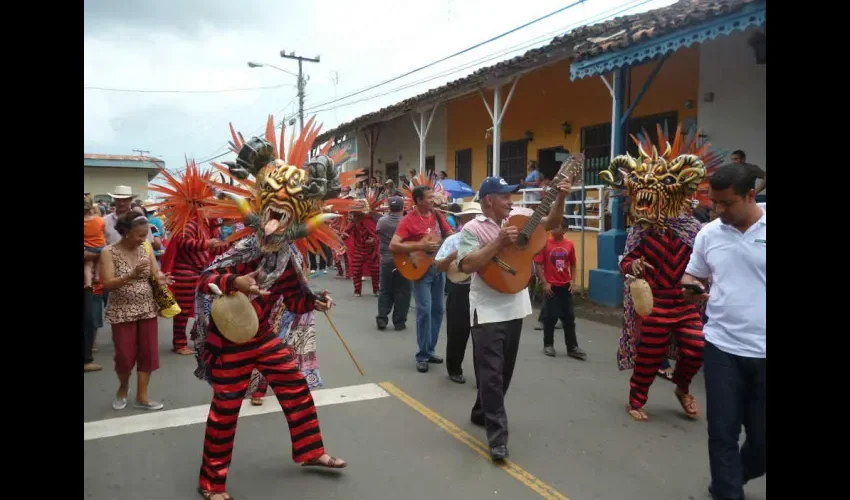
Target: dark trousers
pixel 495 346
pixel 88 326
pixel 735 392
pixel 559 306
pixel 457 326
pixel 394 295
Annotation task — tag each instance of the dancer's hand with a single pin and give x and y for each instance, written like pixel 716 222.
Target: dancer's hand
pixel 547 289
pixel 247 284
pixel 324 302
pixel 639 267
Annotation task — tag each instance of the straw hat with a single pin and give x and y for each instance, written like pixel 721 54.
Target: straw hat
pixel 470 208
pixel 122 192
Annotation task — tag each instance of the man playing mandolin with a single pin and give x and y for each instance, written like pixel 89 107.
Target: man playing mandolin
pixel 422 230
pixel 496 317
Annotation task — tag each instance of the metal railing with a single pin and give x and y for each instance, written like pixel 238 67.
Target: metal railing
pixel 579 210
pixel 584 204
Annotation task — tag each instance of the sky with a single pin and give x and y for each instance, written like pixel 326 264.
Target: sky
pixel 204 45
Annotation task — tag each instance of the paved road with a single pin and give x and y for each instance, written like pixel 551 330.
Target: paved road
pixel 409 437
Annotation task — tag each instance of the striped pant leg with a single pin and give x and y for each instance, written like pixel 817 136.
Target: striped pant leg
pixel 651 349
pixel 230 378
pixel 357 262
pixel 185 284
pixel 279 365
pixel 690 340
pixel 339 271
pixel 179 339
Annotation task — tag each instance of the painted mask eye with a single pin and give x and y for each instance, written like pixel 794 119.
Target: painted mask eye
pixel 668 180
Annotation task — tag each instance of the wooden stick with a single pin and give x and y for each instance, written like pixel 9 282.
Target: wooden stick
pixel 344 343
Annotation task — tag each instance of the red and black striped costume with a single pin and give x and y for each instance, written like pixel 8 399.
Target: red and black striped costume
pixel 363 252
pixel 667 251
pixel 229 368
pixel 192 256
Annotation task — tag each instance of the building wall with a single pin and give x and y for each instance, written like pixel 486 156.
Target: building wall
pixel 398 142
pixel 100 181
pixel 546 98
pixel 736 118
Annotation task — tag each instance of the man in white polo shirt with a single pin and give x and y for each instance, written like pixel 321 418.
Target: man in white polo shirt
pixel 495 317
pixel 731 252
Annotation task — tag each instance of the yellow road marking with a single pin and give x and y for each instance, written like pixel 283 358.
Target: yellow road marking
pixel 526 478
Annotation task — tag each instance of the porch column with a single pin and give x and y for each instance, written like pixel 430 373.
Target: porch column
pixel 422 131
pixel 496 115
pixel 606 281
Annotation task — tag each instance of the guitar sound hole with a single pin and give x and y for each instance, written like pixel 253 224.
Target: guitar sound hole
pixel 522 240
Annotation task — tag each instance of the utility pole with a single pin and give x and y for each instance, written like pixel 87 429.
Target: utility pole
pixel 301 82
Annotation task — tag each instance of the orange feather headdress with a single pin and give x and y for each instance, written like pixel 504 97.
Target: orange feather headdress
pixel 185 196
pixel 242 198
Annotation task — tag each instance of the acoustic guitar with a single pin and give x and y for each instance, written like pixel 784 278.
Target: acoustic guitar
pixel 510 269
pixel 414 265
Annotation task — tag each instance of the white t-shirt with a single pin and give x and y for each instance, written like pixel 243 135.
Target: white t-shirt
pixel 737 305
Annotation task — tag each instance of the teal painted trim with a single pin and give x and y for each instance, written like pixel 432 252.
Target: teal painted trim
pixel 751 15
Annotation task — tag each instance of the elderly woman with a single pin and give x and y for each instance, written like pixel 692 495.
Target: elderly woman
pixel 126 270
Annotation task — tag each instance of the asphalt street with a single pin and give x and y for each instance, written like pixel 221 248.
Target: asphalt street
pixel 407 435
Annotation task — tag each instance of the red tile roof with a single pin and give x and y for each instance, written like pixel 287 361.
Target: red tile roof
pixel 580 43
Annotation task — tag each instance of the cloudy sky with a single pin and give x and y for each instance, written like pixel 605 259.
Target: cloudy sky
pixel 204 45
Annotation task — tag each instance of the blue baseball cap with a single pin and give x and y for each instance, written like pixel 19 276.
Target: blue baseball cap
pixel 495 185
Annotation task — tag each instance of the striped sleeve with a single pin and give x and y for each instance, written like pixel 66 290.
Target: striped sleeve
pixel 223 278
pixel 190 241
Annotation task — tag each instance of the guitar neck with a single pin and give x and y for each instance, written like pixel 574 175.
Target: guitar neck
pixel 545 204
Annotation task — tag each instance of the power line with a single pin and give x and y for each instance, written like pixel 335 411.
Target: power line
pixel 457 53
pixel 217 91
pixel 318 108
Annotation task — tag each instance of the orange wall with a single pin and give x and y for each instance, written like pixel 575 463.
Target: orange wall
pixel 546 98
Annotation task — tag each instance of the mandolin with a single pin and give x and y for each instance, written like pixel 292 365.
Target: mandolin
pixel 510 269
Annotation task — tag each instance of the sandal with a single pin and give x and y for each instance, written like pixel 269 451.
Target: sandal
pixel 257 401
pixel 183 351
pixel 637 413
pixel 330 463
pixel 689 404
pixel 666 374
pixel 212 495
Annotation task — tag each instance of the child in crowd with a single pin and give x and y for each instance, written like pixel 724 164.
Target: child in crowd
pixel 94 239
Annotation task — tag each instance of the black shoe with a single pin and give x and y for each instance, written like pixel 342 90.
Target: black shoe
pixel 458 378
pixel 577 353
pixel 382 325
pixel 436 360
pixel 498 453
pixel 549 350
pixel 400 327
pixel 422 366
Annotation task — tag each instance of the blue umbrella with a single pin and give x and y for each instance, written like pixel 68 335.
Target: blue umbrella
pixel 456 188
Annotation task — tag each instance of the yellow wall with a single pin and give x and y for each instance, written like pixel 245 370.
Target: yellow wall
pixel 545 98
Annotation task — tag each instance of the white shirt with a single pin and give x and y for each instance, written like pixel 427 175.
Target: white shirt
pixel 491 305
pixel 737 306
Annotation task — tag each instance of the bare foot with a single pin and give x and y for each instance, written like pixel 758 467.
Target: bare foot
pixel 326 461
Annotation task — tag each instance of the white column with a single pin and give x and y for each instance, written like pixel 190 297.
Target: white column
pixel 496 115
pixel 422 131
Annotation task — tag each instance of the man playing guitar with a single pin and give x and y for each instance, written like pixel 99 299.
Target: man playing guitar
pixel 496 317
pixel 423 229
